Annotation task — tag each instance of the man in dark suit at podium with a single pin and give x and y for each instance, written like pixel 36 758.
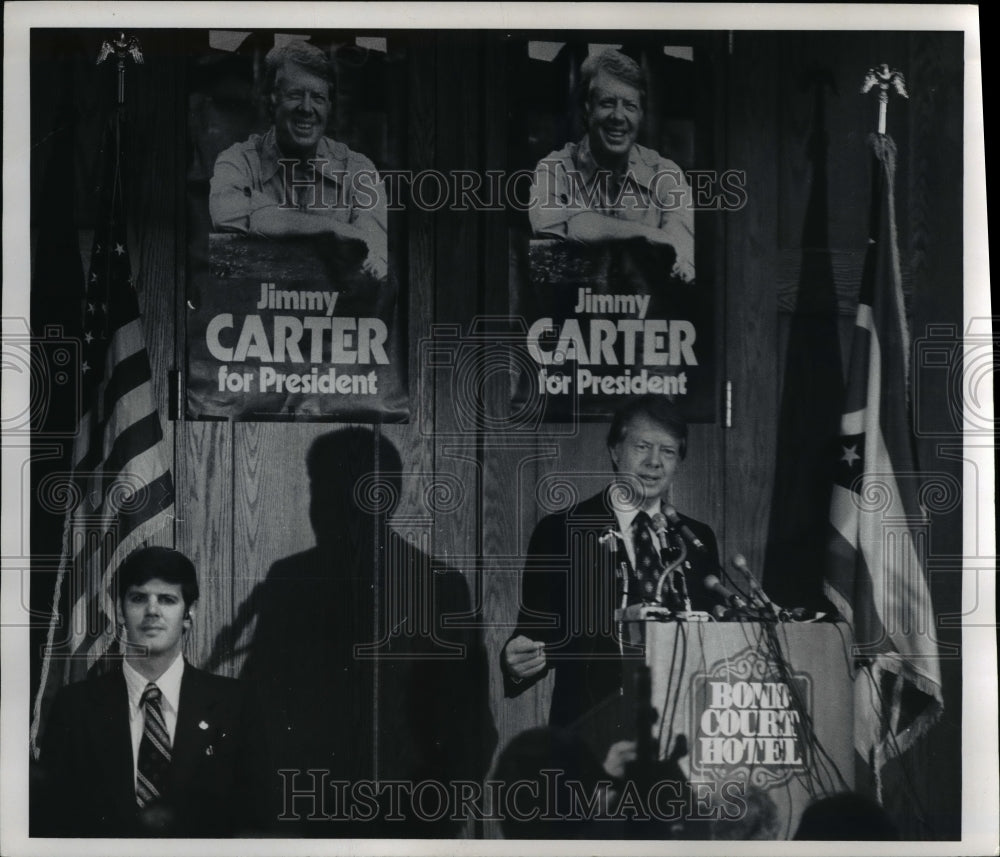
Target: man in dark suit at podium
pixel 154 747
pixel 582 561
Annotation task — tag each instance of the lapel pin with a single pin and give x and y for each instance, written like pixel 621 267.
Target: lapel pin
pixel 210 750
pixel 203 725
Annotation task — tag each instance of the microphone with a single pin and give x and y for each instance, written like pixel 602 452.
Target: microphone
pixel 716 586
pixel 659 523
pixel 677 598
pixel 682 589
pixel 759 595
pixel 684 529
pixel 610 537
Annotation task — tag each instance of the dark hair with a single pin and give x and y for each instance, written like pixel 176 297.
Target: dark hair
pixel 617 65
pixel 846 815
pixel 166 564
pixel 660 410
pixel 546 749
pixel 759 819
pixel 302 54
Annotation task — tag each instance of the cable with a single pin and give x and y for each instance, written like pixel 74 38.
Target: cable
pixel 666 695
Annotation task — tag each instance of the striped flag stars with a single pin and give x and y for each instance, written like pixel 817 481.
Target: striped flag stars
pixel 852 451
pixel 876 575
pixel 120 464
pixel 850 455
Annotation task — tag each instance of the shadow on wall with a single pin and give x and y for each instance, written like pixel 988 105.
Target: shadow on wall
pixel 359 670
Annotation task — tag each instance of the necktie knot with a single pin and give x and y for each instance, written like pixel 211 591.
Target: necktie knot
pixel 640 525
pixel 151 695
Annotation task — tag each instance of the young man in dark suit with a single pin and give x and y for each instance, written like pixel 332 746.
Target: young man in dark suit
pixel 155 747
pixel 572 583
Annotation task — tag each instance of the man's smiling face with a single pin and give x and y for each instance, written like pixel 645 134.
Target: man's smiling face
pixel 301 103
pixel 613 114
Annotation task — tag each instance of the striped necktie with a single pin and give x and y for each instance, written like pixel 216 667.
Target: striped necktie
pixel 154 749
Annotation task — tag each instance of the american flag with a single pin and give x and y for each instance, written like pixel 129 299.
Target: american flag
pixel 876 575
pixel 121 489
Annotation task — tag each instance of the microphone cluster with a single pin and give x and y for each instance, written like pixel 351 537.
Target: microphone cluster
pixel 670 513
pixel 672 597
pixel 759 607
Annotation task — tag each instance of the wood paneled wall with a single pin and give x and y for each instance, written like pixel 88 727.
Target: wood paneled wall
pixel 242 488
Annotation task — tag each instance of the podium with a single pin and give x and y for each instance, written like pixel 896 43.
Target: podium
pixel 765 711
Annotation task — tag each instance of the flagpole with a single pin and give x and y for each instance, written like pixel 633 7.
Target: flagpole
pixel 124 499
pixel 881 78
pixel 125 48
pixel 876 574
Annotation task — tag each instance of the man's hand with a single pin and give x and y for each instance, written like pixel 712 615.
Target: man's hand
pixel 619 755
pixel 375 265
pixel 682 243
pixel 524 658
pixel 684 269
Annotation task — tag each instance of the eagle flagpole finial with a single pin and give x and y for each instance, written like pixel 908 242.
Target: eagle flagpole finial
pixel 882 77
pixel 123 47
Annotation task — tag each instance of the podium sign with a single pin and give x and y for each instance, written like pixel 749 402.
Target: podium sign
pixel 766 713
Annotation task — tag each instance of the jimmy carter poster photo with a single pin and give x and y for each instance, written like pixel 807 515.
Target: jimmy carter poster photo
pixel 295 304
pixel 606 284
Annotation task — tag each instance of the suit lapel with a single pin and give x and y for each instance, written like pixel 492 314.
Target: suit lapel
pixel 194 707
pixel 111 735
pixel 600 573
pixel 605 511
pixel 619 566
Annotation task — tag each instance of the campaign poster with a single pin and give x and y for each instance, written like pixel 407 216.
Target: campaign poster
pixel 296 303
pixel 614 298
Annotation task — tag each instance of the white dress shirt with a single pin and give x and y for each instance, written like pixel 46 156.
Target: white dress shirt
pixel 170 694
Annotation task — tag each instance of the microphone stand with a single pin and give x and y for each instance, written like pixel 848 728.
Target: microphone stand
pixel 621 572
pixel 680 596
pixel 766 609
pixel 666 577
